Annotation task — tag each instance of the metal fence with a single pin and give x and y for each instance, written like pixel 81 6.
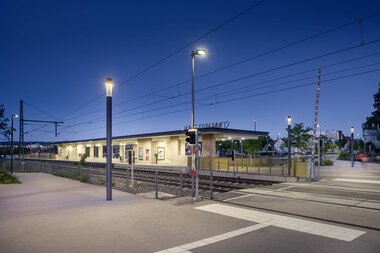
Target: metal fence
pixel 275 166
pixel 139 180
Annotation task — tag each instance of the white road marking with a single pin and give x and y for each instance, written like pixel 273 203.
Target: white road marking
pixel 285 188
pixel 239 197
pixel 264 220
pixel 300 225
pixel 357 181
pixel 185 248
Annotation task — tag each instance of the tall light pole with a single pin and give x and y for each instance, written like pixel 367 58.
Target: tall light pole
pixel 241 147
pixel 289 144
pixel 319 149
pixel 194 175
pixel 352 146
pixel 109 85
pixel 13 116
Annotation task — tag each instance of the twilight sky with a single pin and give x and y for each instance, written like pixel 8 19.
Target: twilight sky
pixel 262 65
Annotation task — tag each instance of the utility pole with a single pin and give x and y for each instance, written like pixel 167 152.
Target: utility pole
pixel 21 131
pixel 315 126
pixel 21 128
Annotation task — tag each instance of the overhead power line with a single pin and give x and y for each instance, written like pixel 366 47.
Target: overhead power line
pixel 240 98
pixel 256 57
pixel 243 78
pixel 252 7
pixel 41 111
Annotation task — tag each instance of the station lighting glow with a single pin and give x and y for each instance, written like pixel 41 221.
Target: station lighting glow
pixel 289 120
pixel 109 85
pixel 201 51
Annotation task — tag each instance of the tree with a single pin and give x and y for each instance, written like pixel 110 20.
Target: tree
pixel 341 143
pixel 254 146
pixel 375 115
pixel 300 137
pixel 328 144
pixel 4 129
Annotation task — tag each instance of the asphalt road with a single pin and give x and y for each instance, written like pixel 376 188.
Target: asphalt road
pixel 52 214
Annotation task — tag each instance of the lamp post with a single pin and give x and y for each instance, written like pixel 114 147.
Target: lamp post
pixel 319 149
pixel 241 147
pixel 109 85
pixel 352 146
pixel 13 116
pixel 289 144
pixel 194 175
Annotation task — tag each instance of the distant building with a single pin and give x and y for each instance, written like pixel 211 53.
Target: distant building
pixel 371 136
pixel 335 135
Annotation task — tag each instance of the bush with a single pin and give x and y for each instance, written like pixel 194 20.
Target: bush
pixel 344 156
pixel 5 178
pixel 84 178
pixel 327 162
pixel 82 160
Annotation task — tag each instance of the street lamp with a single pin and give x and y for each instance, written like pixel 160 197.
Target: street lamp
pixel 289 144
pixel 194 156
pixel 352 146
pixel 13 116
pixel 109 85
pixel 319 148
pixel 241 147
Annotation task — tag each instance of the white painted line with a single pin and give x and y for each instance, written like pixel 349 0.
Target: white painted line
pixel 357 181
pixel 264 220
pixel 296 224
pixel 239 197
pixel 185 248
pixel 285 188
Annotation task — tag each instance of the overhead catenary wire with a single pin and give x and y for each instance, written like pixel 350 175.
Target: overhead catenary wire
pixel 98 119
pixel 41 111
pixel 245 77
pixel 256 57
pixel 242 13
pixel 240 98
pixel 282 77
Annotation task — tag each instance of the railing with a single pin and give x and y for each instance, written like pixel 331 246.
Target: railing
pixel 276 166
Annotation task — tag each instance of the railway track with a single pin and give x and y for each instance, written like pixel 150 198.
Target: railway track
pixel 165 177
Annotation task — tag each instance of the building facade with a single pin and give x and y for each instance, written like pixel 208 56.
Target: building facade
pixel 162 148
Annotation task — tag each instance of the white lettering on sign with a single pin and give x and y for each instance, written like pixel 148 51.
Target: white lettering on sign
pixel 222 124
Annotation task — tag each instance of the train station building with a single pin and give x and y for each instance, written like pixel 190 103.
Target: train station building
pixel 162 148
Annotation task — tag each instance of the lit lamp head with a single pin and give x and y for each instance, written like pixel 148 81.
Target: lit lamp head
pixel 14 116
pixel 352 130
pixel 109 85
pixel 289 120
pixel 200 51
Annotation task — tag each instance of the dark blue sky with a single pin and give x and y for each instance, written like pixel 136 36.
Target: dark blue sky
pixel 56 54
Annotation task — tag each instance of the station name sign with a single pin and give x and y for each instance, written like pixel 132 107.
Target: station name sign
pixel 222 124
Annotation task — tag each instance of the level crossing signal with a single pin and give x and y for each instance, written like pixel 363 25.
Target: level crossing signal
pixel 192 135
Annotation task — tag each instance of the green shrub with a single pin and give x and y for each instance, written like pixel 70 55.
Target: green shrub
pixel 82 160
pixel 84 178
pixel 327 162
pixel 5 178
pixel 344 156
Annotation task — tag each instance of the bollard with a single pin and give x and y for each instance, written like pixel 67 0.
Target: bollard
pixel 181 183
pixel 156 180
pixel 211 186
pixel 127 177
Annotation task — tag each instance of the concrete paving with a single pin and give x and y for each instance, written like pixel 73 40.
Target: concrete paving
pixel 353 192
pixel 51 214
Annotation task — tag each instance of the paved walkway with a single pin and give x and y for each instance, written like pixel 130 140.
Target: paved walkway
pixel 51 214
